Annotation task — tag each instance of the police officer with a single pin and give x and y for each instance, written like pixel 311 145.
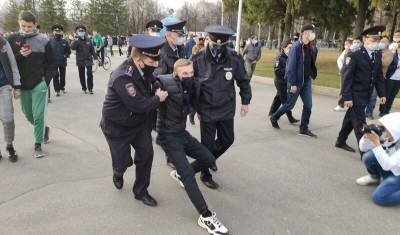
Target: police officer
pixel 217 68
pixel 127 114
pixel 153 27
pixel 61 52
pixel 173 48
pixel 171 51
pixel 361 73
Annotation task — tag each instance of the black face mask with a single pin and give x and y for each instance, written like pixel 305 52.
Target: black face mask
pixel 217 50
pixel 58 35
pixel 148 70
pixel 187 83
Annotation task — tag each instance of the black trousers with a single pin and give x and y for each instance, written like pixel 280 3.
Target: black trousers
pixel 392 89
pixel 177 146
pixel 100 54
pixel 120 51
pixel 280 98
pixel 59 78
pixel 120 148
pixel 353 120
pixel 224 131
pixel 82 79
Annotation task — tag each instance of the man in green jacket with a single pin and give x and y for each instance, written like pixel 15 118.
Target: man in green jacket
pixel 34 59
pixel 98 43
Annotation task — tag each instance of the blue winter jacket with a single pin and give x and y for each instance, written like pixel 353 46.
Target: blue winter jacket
pixel 295 64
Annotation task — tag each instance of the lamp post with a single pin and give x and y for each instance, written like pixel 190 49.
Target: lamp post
pixel 239 21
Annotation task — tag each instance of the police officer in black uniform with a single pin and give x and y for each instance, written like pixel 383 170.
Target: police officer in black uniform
pixel 217 68
pixel 361 73
pixel 171 51
pixel 127 114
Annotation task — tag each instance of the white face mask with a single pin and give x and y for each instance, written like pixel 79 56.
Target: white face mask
pixel 180 41
pixel 311 36
pixel 154 34
pixel 254 41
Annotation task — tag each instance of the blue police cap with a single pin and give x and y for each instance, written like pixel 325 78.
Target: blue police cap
pixel 174 24
pixel 219 33
pixel 147 45
pixel 154 24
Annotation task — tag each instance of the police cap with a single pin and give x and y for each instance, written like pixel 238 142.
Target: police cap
pixel 375 31
pixel 307 27
pixel 176 25
pixel 147 45
pixel 219 33
pixel 57 27
pixel 155 25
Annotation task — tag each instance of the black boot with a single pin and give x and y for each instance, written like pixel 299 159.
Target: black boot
pixel 12 154
pixel 118 181
pixel 291 118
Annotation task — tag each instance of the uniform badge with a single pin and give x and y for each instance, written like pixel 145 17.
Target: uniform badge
pixel 130 89
pixel 348 59
pixel 228 76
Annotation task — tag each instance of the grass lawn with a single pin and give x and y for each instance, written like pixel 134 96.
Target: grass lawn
pixel 328 74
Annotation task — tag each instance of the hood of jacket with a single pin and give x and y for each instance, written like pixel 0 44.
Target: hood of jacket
pixel 392 124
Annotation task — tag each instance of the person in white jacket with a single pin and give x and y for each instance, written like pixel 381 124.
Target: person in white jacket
pixel 382 160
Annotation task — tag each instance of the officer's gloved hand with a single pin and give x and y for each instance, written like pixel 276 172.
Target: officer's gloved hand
pixel 161 94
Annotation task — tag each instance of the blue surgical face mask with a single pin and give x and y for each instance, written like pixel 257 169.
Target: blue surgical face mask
pixel 81 34
pixel 355 46
pixel 381 46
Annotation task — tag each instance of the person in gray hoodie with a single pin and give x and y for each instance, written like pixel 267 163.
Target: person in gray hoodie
pixel 10 85
pixel 382 160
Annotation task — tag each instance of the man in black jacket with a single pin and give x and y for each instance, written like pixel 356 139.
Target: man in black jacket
pixel 177 142
pixel 84 58
pixel 217 68
pixel 61 52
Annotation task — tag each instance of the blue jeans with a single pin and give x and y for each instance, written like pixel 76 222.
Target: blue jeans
pixel 369 111
pixel 388 191
pixel 305 93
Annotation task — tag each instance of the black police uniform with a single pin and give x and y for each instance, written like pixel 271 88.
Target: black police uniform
pixel 176 141
pixel 281 86
pixel 169 55
pixel 361 73
pixel 126 121
pixel 216 96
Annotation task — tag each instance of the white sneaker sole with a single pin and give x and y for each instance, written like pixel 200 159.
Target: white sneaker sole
pixel 201 224
pixel 173 176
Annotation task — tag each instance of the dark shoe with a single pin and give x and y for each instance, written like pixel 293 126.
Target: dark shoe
pixel 12 154
pixel 307 133
pixel 1 156
pixel 64 92
pixel 210 183
pixel 291 119
pixel 57 93
pixel 147 200
pixel 38 151
pixel 118 181
pixel 214 167
pixel 91 92
pixel 48 100
pixel 191 119
pixel 46 137
pixel 344 146
pixel 274 123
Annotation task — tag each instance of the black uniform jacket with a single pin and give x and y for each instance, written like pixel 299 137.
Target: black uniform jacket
pixel 168 57
pixel 216 99
pixel 360 75
pixel 129 104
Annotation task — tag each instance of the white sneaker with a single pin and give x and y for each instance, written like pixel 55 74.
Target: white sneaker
pixel 367 180
pixel 212 224
pixel 175 176
pixel 339 109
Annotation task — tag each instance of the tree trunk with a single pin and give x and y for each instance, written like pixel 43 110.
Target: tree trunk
pixel 281 28
pixel 361 16
pixel 288 20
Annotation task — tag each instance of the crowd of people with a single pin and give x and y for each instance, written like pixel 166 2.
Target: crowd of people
pixel 170 77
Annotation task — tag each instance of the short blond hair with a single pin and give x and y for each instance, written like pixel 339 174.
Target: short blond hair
pixel 182 63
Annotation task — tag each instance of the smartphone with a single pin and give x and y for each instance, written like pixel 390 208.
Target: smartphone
pixel 27 46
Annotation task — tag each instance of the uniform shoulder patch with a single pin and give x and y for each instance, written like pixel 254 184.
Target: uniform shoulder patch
pixel 130 89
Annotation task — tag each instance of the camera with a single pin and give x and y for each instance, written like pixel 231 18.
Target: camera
pixel 372 128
